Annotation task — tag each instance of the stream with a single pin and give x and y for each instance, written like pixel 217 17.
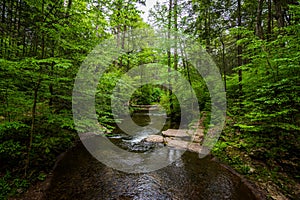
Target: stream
pixel 80 176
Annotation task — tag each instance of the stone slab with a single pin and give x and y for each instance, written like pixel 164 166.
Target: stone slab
pixel 155 138
pixel 177 133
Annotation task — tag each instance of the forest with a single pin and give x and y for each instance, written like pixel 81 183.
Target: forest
pixel 254 44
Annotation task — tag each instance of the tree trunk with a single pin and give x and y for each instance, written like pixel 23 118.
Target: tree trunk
pixel 35 96
pixel 184 61
pixel 269 19
pixel 240 50
pixel 223 62
pixel 11 31
pixel 207 30
pixel 176 37
pixel 169 53
pixel 123 42
pixel 279 13
pixel 259 28
pixel 51 76
pixel 3 11
pixel 69 8
pixel 2 45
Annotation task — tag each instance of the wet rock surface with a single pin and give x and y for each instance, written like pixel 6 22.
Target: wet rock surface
pixel 80 176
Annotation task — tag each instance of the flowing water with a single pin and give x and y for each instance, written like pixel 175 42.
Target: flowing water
pixel 80 176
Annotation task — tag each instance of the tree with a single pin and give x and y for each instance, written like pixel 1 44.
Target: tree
pixel 42 45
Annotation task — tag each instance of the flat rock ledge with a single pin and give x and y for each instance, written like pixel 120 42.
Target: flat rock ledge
pixel 192 134
pixel 181 139
pixel 155 139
